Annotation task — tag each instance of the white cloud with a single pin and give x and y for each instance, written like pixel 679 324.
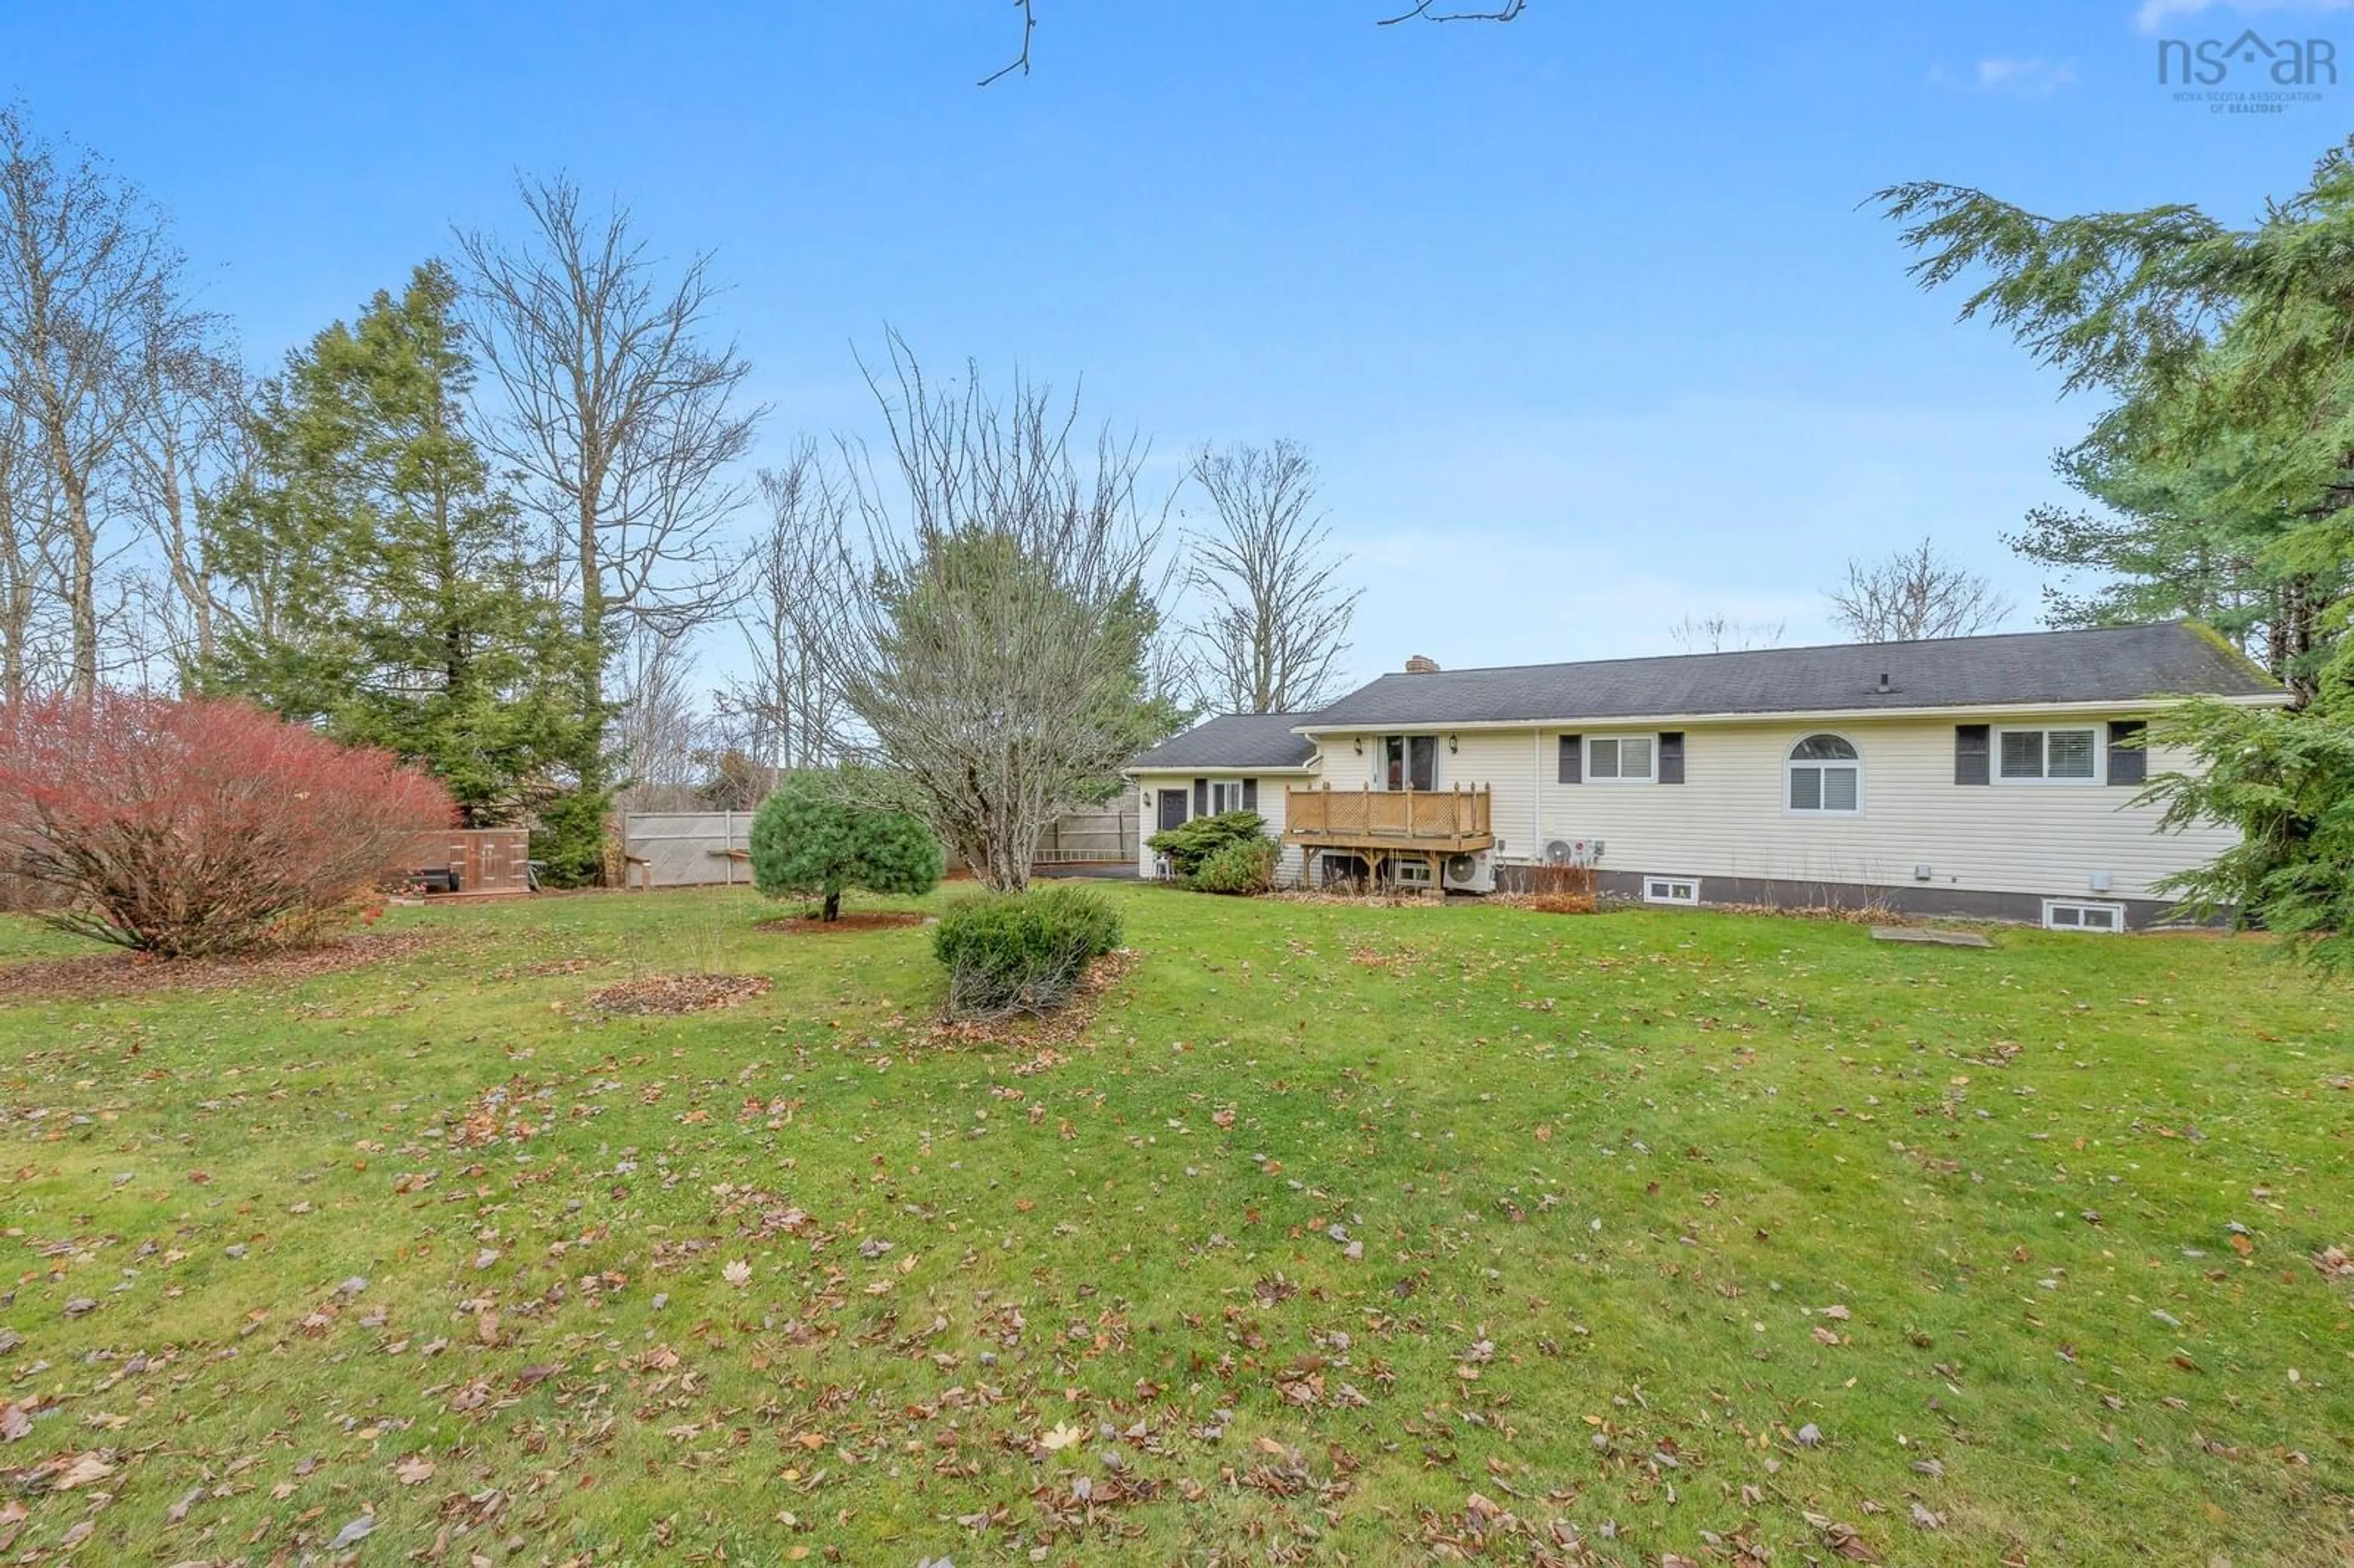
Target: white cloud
pixel 2025 78
pixel 2156 14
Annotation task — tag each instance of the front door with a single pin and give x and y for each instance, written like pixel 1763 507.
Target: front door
pixel 1172 808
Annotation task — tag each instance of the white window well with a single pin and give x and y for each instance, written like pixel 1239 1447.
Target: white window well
pixel 2075 914
pixel 1824 776
pixel 2058 755
pixel 1671 890
pixel 1621 760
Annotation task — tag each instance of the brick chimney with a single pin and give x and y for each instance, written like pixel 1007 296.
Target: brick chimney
pixel 1422 665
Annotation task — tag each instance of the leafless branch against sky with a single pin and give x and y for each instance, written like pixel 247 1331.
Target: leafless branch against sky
pixel 1425 11
pixel 1022 61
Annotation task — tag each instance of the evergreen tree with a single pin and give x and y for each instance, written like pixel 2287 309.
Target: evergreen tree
pixel 2227 452
pixel 2226 457
pixel 398 601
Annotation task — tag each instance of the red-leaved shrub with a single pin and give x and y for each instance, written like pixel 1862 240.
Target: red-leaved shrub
pixel 200 827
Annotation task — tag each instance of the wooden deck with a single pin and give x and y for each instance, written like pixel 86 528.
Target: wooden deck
pixel 1383 824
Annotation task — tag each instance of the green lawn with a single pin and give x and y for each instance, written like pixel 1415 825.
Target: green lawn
pixel 1342 1234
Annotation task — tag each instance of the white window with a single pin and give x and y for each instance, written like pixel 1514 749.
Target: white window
pixel 1409 761
pixel 1671 890
pixel 1226 795
pixel 1824 776
pixel 2070 755
pixel 1621 760
pixel 2070 915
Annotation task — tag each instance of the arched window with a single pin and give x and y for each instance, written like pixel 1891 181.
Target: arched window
pixel 1826 774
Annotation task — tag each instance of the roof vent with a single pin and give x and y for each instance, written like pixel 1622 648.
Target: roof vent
pixel 1422 665
pixel 1883 688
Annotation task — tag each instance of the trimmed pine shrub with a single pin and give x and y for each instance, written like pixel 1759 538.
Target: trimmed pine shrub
pixel 1021 952
pixel 810 839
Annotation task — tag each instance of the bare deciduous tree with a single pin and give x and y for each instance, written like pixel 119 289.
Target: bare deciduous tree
pixel 1722 633
pixel 28 567
pixel 1912 594
pixel 1276 619
pixel 624 418
pixel 656 729
pixel 86 272
pixel 190 445
pixel 997 661
pixel 795 587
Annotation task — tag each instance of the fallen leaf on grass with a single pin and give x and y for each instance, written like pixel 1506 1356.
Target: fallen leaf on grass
pixel 1062 1437
pixel 738 1273
pixel 80 1470
pixel 414 1469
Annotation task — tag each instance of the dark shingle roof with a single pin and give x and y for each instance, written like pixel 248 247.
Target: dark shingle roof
pixel 2123 664
pixel 1234 740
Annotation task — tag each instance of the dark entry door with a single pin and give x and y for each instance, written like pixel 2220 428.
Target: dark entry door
pixel 1172 808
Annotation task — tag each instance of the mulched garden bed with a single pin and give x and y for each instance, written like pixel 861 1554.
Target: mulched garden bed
pixel 856 920
pixel 121 972
pixel 665 995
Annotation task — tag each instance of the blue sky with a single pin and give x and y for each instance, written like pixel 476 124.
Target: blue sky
pixel 1580 315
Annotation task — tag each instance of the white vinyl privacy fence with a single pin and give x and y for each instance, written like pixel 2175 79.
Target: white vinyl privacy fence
pixel 686 849
pixel 691 849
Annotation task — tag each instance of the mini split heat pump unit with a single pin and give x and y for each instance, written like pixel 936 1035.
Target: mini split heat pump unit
pixel 1471 872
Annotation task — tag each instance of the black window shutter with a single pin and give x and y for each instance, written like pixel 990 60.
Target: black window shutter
pixel 1201 797
pixel 1250 794
pixel 2128 758
pixel 1971 742
pixel 1672 757
pixel 1571 768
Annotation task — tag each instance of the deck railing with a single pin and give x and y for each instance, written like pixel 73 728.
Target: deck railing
pixel 1372 816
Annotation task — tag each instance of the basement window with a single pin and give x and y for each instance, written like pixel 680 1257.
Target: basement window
pixel 2072 915
pixel 1671 890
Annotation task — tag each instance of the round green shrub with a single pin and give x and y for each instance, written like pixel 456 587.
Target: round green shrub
pixel 1021 952
pixel 1245 866
pixel 810 838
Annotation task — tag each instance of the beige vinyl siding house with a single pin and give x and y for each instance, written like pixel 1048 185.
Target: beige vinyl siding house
pixel 1238 762
pixel 1991 775
pixel 1912 829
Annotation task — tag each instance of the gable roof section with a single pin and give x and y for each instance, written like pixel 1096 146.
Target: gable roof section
pixel 2100 665
pixel 1233 741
